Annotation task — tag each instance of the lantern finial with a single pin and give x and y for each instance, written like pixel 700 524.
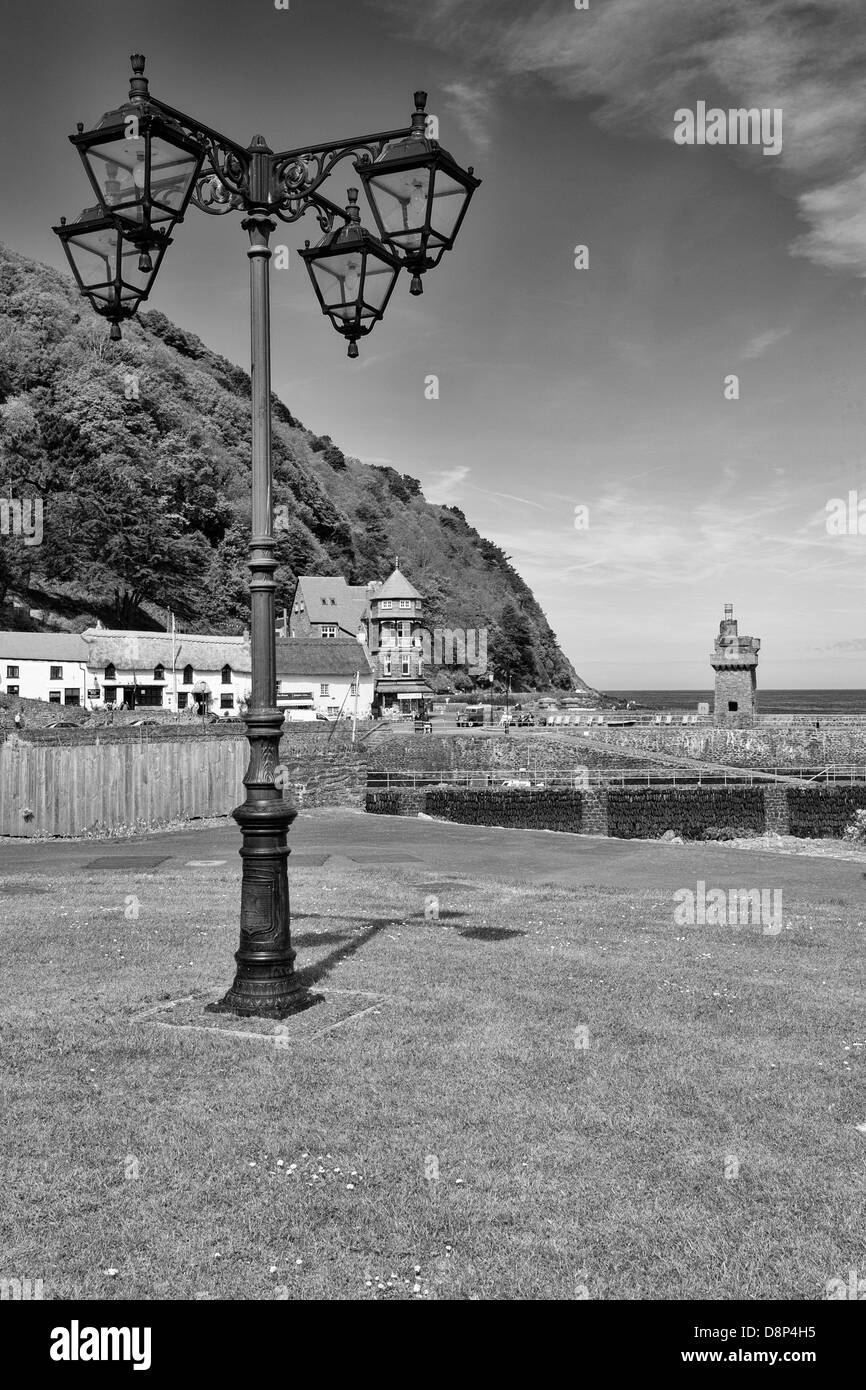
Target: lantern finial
pixel 138 82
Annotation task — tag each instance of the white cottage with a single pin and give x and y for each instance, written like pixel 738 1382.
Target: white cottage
pixel 333 678
pixel 50 666
pixel 156 669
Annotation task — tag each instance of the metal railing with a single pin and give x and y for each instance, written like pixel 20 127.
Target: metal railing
pixel 574 779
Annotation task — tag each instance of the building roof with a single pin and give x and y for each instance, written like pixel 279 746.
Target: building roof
pixel 329 599
pixel 407 685
pixel 396 586
pixel 321 656
pixel 43 646
pixel 141 650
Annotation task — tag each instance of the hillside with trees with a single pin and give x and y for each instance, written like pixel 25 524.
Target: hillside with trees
pixel 140 452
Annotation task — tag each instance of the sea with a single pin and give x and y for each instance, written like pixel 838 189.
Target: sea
pixel 769 701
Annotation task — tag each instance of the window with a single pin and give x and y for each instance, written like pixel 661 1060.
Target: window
pixel 385 603
pixel 181 700
pixel 405 666
pixel 11 673
pixel 71 697
pixel 54 697
pixel 110 673
pixel 732 706
pixel 56 673
pixel 353 688
pixel 188 676
pixel 159 672
pixel 386 664
pixel 13 690
pixel 227 701
pixel 148 695
pixel 324 690
pixel 226 678
pixel 108 694
pixel 327 631
pixel 405 603
pixel 324 603
pixel 333 603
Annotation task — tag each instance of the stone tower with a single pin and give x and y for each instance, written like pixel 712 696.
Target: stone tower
pixel 735 662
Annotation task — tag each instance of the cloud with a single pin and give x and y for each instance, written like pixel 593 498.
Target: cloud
pixel 637 62
pixel 636 542
pixel 757 346
pixel 472 105
pixel 445 488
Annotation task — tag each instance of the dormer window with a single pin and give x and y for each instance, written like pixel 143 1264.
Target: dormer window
pixel 188 676
pixel 226 676
pixel 159 672
pixel 110 672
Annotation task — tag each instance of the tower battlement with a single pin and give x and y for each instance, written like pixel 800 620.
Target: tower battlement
pixel 735 661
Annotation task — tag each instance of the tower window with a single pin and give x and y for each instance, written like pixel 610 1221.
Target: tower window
pixel 733 706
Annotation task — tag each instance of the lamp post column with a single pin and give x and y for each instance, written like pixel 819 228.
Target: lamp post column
pixel 265 983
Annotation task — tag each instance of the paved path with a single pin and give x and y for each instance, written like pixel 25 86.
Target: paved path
pixel 467 852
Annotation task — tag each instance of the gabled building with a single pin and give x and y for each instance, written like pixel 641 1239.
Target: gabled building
pixel 331 678
pixel 154 669
pixel 388 617
pixel 395 624
pixel 50 666
pixel 326 606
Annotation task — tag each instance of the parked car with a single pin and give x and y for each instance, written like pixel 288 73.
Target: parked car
pixel 471 716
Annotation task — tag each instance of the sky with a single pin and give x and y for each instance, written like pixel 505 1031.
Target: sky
pixel 605 388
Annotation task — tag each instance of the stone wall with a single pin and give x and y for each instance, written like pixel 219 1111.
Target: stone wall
pixel 795 745
pixel 823 812
pixel 430 753
pixel 645 813
pixel 541 810
pixel 639 813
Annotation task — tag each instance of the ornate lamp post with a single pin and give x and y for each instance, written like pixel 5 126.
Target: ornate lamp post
pixel 147 162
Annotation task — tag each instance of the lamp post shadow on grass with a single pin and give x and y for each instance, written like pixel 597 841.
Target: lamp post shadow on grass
pixel 310 975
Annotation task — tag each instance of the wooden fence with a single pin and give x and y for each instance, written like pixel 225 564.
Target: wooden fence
pixel 66 791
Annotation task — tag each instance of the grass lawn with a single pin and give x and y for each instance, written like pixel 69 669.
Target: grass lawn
pixel 563 1095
